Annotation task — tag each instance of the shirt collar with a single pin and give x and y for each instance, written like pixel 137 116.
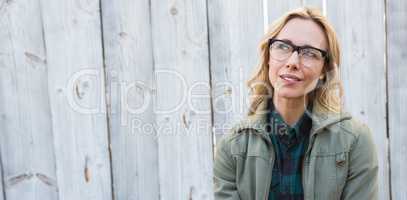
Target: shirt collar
pixel 301 127
pixel 259 120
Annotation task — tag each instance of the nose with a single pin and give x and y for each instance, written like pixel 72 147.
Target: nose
pixel 293 60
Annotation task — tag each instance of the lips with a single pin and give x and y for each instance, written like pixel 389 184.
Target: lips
pixel 290 78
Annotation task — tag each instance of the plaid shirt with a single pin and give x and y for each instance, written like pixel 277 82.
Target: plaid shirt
pixel 290 144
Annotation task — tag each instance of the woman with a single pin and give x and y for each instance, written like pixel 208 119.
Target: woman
pixel 296 143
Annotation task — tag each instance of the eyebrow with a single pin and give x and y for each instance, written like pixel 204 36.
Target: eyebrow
pixel 306 45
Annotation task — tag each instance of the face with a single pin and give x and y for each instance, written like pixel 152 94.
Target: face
pixel 295 76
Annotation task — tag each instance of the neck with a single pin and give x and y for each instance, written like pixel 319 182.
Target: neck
pixel 290 109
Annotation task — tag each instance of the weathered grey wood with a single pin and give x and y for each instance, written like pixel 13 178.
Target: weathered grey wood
pixel 235 30
pixel 277 8
pixel 314 4
pixel 180 36
pixel 129 65
pixel 53 125
pixel 361 32
pixel 76 87
pixel 2 192
pixel 397 94
pixel 26 141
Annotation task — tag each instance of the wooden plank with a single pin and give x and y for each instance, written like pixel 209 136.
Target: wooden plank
pixel 26 141
pixel 363 70
pixel 315 4
pixel 183 114
pixel 76 87
pixel 397 94
pixel 129 65
pixel 235 29
pixel 280 7
pixel 2 192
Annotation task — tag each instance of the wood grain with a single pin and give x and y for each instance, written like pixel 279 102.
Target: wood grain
pixel 76 87
pixel 26 135
pixel 130 93
pixel 397 94
pixel 183 110
pixel 235 30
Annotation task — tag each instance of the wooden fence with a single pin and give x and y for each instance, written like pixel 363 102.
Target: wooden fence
pixel 124 99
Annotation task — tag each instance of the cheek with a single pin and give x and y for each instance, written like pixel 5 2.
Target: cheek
pixel 312 80
pixel 273 72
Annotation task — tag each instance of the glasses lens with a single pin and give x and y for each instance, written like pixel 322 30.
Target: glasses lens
pixel 311 57
pixel 280 50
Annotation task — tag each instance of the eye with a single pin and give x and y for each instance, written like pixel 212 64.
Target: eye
pixel 281 46
pixel 311 53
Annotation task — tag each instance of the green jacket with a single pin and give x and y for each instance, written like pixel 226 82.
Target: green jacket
pixel 340 162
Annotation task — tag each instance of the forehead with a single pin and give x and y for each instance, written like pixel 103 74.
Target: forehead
pixel 303 32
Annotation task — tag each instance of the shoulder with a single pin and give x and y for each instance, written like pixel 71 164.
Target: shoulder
pixel 358 133
pixel 355 128
pixel 239 136
pixel 235 134
pixel 344 135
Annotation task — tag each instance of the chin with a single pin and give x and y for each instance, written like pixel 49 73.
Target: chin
pixel 291 94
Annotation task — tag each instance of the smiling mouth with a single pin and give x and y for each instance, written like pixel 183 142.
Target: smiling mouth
pixel 290 78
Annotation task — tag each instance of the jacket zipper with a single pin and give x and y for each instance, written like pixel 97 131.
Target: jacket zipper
pixel 310 145
pixel 266 194
pixel 267 189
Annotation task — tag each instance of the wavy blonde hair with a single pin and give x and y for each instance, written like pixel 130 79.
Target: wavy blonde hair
pixel 327 97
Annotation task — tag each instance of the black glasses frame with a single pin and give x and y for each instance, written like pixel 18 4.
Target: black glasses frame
pixel 296 48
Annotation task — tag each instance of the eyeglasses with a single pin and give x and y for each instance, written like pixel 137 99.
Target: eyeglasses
pixel 281 50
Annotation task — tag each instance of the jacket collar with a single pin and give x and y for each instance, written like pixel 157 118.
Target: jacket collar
pixel 258 120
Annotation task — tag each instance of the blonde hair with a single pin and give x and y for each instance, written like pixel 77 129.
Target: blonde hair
pixel 327 97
